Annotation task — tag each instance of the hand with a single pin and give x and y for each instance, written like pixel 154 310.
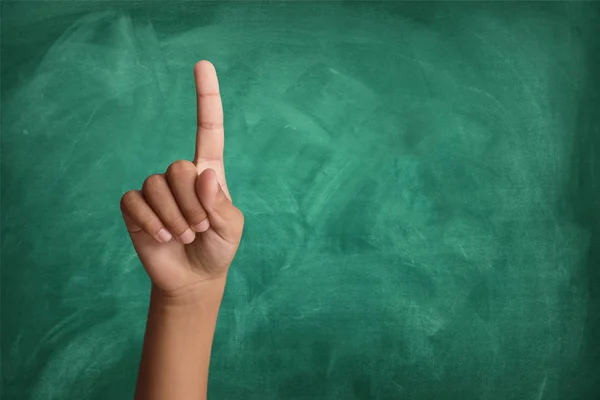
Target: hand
pixel 182 223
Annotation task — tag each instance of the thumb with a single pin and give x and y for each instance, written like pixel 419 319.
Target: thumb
pixel 226 219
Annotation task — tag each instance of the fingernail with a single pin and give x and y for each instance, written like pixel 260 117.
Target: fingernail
pixel 164 235
pixel 187 237
pixel 202 226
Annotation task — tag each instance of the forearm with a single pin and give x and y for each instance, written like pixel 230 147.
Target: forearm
pixel 177 344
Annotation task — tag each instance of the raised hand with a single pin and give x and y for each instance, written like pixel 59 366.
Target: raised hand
pixel 182 223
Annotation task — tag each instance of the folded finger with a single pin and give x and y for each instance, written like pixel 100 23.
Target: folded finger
pixel 139 217
pixel 157 193
pixel 181 176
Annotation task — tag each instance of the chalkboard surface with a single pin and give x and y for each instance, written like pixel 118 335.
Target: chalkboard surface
pixel 421 186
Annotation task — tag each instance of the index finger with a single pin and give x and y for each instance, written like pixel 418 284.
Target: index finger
pixel 210 133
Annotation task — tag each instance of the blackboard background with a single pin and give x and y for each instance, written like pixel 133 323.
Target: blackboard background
pixel 421 186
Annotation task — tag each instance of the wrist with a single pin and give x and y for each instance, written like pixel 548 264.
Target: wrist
pixel 200 294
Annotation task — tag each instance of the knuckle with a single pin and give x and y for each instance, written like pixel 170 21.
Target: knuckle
pixel 128 199
pixel 152 183
pixel 180 168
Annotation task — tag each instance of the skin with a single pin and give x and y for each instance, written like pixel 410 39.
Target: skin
pixel 186 231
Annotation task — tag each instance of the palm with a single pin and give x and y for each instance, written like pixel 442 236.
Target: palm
pixel 174 265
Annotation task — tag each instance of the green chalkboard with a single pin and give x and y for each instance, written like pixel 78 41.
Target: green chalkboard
pixel 420 181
